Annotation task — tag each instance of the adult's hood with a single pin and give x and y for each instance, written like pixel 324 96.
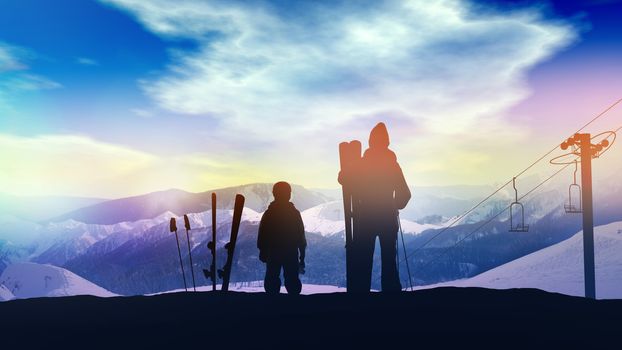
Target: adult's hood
pixel 379 136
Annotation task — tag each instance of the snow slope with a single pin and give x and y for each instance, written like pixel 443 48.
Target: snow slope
pixel 257 287
pixel 30 280
pixel 559 268
pixel 5 294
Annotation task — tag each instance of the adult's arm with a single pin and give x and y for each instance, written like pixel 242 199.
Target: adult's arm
pixel 402 192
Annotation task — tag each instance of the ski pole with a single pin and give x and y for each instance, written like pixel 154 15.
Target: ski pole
pixel 187 223
pixel 173 227
pixel 213 247
pixel 410 280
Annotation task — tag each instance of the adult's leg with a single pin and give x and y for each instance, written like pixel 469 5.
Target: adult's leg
pixel 364 243
pixel 290 275
pixel 272 281
pixel 390 276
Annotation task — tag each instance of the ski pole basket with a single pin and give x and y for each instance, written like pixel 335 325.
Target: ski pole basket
pixel 517 213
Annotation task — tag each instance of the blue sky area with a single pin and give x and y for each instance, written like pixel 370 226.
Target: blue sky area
pixel 109 70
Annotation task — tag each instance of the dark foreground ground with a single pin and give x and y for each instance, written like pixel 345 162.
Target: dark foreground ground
pixel 444 317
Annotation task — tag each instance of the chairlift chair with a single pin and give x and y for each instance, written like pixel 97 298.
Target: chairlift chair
pixel 514 207
pixel 572 207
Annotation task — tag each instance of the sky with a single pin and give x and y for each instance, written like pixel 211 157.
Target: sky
pixel 113 98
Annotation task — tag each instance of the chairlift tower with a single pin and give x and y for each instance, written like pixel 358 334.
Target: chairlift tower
pixel 583 148
pixel 586 152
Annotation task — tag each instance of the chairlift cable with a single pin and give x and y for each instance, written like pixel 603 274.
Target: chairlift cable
pixel 455 221
pixel 460 217
pixel 490 220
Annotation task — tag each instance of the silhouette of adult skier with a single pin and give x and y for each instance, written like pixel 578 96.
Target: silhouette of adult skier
pixel 379 190
pixel 281 242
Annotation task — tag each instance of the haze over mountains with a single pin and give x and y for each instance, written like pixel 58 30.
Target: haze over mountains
pixel 42 208
pixel 124 245
pixel 181 202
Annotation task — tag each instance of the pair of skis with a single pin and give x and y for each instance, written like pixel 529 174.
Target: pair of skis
pixel 173 228
pixel 225 272
pixel 349 156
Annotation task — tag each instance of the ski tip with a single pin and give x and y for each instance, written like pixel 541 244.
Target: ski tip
pixel 239 201
pixel 356 144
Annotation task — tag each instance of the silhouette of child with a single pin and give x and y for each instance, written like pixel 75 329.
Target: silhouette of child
pixel 281 242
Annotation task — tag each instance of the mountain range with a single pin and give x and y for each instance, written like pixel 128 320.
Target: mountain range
pixel 124 245
pixel 179 202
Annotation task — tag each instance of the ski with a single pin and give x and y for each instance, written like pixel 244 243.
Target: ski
pixel 187 224
pixel 225 273
pixel 211 272
pixel 349 153
pixel 173 228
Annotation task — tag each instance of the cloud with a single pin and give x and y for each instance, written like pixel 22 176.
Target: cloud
pixel 16 77
pixel 86 61
pixel 63 164
pixel 28 82
pixel 445 67
pixel 143 113
pixel 8 60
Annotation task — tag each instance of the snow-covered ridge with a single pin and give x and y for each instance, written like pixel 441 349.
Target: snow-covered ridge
pixel 30 280
pixel 559 268
pixel 59 242
pixel 327 219
pixel 223 216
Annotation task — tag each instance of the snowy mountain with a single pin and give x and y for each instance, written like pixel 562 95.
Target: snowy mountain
pixel 141 257
pixel 146 261
pixel 148 206
pixel 327 220
pixel 200 224
pixel 559 268
pixel 29 280
pixel 59 242
pixel 125 245
pixel 428 201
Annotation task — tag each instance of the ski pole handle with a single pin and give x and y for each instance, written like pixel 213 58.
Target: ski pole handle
pixel 173 225
pixel 187 222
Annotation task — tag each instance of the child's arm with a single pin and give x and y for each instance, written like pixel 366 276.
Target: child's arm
pixel 262 236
